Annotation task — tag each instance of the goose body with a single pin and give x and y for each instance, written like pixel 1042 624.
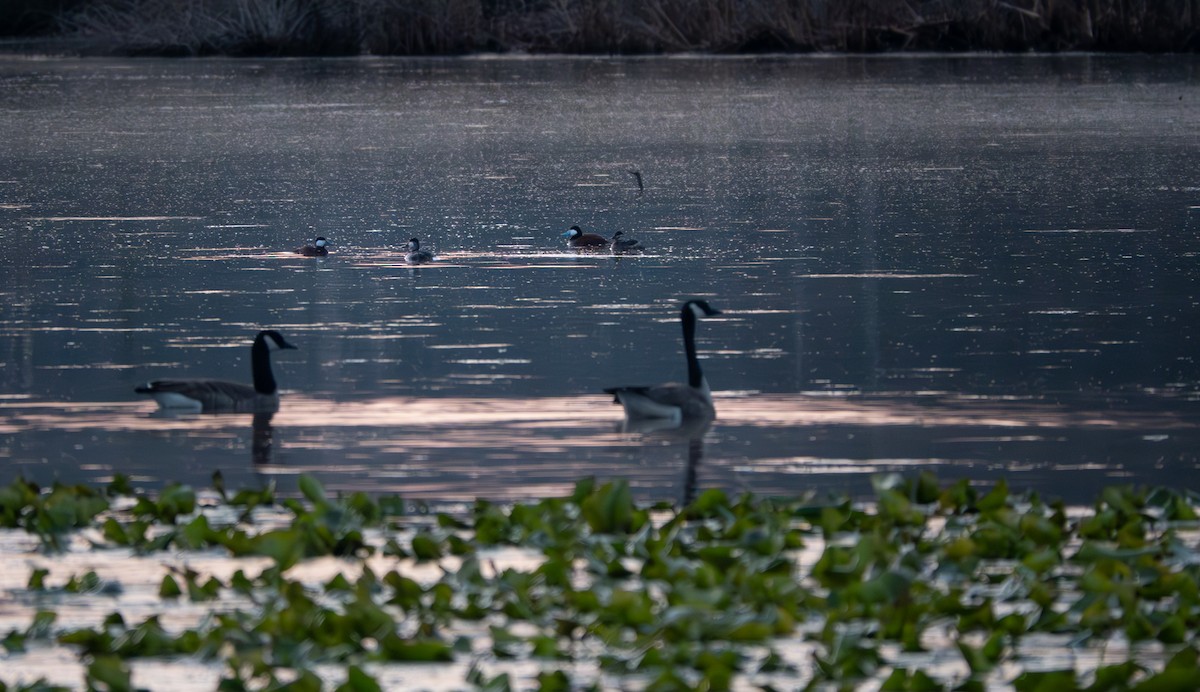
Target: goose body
pixel 317 249
pixel 620 244
pixel 415 254
pixel 207 395
pixel 675 401
pixel 576 238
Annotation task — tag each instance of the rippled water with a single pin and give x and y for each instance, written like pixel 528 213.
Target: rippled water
pixel 982 266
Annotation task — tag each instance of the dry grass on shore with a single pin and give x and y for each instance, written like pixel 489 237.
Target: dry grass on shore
pixel 438 27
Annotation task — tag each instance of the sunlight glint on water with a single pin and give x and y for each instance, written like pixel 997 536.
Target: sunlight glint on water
pixel 913 271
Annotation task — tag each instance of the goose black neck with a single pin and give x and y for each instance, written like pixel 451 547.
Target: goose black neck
pixel 695 377
pixel 260 366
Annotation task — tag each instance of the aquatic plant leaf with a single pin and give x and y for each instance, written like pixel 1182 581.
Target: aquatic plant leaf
pixel 1041 530
pixel 89 582
pixel 312 490
pixel 609 509
pixel 393 648
pixel 1042 561
pixel 926 489
pixel 887 587
pixel 903 680
pixel 553 681
pixel 42 624
pixel 1114 678
pixel 995 499
pixel 975 658
pixel 306 681
pixel 198 593
pixel 169 588
pixel 119 486
pixel 752 631
pixel 357 680
pixel 1170 680
pixel 426 547
pixel 172 501
pixel 283 546
pixel 37 579
pixel 109 673
pixel 708 503
pixel 1185 659
pixel 1048 681
pixel 1093 551
pixel 547 647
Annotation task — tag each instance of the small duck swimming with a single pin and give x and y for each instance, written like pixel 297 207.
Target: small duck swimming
pixel 415 254
pixel 317 249
pixel 620 244
pixel 576 238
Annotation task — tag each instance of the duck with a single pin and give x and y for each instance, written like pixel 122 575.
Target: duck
pixel 619 244
pixel 215 396
pixel 415 254
pixel 578 239
pixel 317 249
pixel 675 401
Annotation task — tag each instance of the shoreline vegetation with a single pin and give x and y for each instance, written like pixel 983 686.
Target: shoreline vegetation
pixel 610 27
pixel 932 586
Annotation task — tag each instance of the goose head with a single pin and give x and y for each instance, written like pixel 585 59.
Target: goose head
pixel 699 308
pixel 270 335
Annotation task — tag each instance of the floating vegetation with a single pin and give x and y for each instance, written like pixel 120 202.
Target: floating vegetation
pixel 930 586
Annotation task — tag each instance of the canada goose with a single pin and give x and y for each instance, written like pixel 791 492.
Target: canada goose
pixel 577 238
pixel 220 395
pixel 674 400
pixel 415 254
pixel 317 249
pixel 620 244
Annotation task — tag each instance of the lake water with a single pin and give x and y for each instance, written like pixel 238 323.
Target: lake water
pixel 982 266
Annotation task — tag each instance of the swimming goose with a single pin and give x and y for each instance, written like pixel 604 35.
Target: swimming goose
pixel 219 395
pixel 675 400
pixel 577 238
pixel 620 244
pixel 317 249
pixel 415 254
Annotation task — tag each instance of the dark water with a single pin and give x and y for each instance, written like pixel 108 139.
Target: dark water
pixel 982 266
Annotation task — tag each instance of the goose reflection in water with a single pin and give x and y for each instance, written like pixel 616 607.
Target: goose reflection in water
pixel 262 439
pixel 262 434
pixel 689 432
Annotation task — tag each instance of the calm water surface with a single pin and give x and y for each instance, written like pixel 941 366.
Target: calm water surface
pixel 981 266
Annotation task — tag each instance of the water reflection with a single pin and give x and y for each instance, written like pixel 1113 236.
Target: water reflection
pixel 687 433
pixel 262 446
pixel 905 289
pixel 456 448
